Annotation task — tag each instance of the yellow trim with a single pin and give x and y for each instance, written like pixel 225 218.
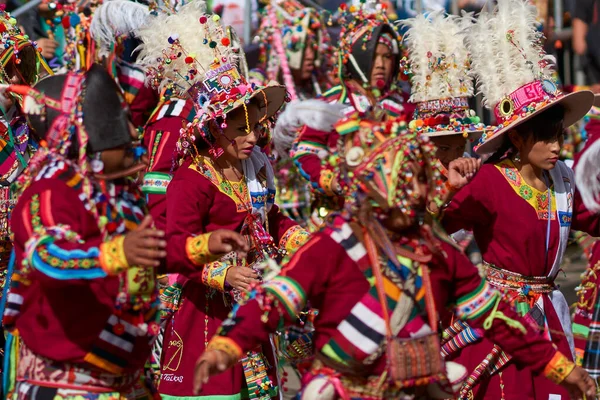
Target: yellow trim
pixel 326 181
pixel 205 168
pixel 226 345
pixel 293 239
pixel 102 363
pixel 196 249
pixel 558 368
pixel 531 195
pixel 112 256
pixel 214 274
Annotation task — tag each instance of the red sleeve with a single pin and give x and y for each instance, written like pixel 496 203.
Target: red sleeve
pixel 476 303
pixel 143 104
pixel 60 239
pixel 583 219
pixel 289 292
pixel 471 205
pixel 188 202
pixel 285 231
pixel 160 140
pixel 311 143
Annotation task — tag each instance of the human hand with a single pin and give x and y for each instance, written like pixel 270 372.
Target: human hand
pixel 145 246
pixel 210 363
pixel 462 170
pixel 241 277
pixel 48 46
pixel 223 241
pixel 580 385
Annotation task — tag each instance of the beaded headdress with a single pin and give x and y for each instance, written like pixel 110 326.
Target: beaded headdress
pixel 439 66
pixel 363 26
pixel 13 43
pixel 514 74
pixel 188 53
pixel 287 27
pixel 375 163
pixel 74 17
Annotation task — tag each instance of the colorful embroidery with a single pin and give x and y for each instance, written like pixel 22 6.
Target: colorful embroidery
pixel 59 263
pixel 306 148
pixel 241 196
pixel 538 200
pixel 558 368
pixel 289 293
pixel 326 181
pixel 293 239
pixel 112 256
pixel 196 248
pixel 225 345
pixel 214 274
pixel 156 183
pixel 478 302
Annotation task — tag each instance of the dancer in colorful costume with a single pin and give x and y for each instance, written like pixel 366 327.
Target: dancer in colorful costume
pixel 368 64
pixel 522 204
pixel 296 50
pixel 79 228
pixel 223 182
pixel 438 66
pixel 385 277
pixel 587 314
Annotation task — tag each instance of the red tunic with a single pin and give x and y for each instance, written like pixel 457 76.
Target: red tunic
pixel 65 303
pixel 511 236
pixel 198 204
pixel 337 284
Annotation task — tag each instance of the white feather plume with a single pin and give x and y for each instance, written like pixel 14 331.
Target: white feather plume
pixel 587 177
pixel 116 18
pixel 438 57
pixel 186 26
pixel 506 50
pixel 315 114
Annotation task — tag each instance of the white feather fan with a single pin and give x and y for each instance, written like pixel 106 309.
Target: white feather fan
pixel 315 114
pixel 116 18
pixel 506 50
pixel 194 38
pixel 438 57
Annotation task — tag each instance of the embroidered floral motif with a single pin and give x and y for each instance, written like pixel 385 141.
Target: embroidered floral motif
pixel 241 197
pixel 196 248
pixel 214 274
pixel 536 199
pixel 558 368
pixel 293 239
pixel 112 256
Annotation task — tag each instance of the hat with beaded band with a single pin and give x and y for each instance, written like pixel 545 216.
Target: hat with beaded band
pixel 438 65
pixel 513 72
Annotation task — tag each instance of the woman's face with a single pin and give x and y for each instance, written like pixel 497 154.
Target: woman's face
pixel 449 148
pixel 242 132
pixel 397 220
pixel 542 154
pixel 120 158
pixel 383 66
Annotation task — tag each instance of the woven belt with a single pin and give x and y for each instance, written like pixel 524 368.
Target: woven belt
pixel 525 285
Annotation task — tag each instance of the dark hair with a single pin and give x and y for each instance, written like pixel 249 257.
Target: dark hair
pixel 105 119
pixel 544 127
pixel 26 70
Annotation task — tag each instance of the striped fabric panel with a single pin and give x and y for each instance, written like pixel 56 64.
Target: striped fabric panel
pixel 289 293
pixel 478 302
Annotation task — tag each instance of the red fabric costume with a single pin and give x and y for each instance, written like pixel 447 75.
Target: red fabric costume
pixel 509 221
pixel 199 202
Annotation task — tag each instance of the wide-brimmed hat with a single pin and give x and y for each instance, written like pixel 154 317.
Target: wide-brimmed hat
pixel 513 72
pixel 438 65
pixel 189 53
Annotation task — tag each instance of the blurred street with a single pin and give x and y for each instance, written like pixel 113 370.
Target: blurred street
pixel 574 264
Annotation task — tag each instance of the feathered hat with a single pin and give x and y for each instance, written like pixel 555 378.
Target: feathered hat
pixel 188 53
pixel 114 21
pixel 513 72
pixel 363 27
pixel 439 65
pixel 17 48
